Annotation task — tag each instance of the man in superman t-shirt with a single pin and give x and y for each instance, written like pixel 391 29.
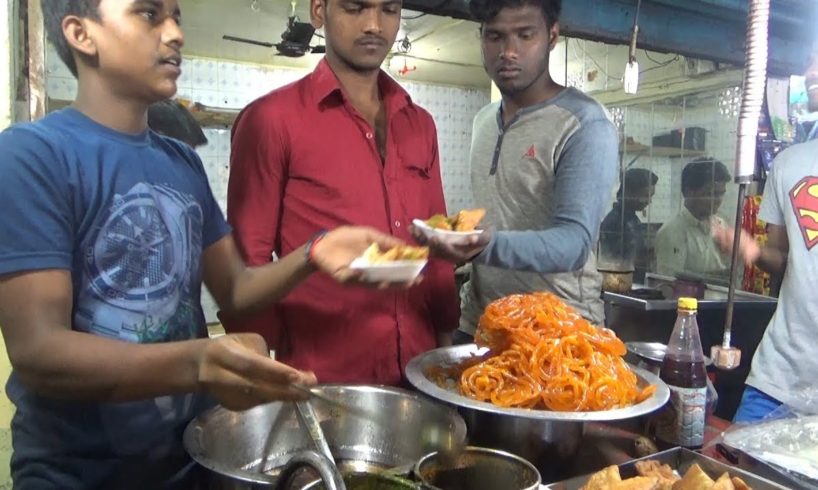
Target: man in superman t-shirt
pixel 786 364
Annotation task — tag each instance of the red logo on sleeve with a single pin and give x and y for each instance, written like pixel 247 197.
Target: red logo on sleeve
pixel 804 198
pixel 531 153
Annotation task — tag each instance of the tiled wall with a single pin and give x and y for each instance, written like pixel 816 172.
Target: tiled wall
pixel 453 110
pixel 231 85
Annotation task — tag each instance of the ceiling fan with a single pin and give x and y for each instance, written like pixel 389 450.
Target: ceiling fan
pixel 295 41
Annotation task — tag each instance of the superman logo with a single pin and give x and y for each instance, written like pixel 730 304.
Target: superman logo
pixel 804 198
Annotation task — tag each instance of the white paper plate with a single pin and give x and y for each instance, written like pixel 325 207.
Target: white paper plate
pixel 397 271
pixel 450 237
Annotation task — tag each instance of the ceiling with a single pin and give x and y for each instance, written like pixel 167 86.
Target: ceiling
pixel 713 30
pixel 444 50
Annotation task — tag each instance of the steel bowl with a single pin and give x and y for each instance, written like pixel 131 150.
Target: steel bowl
pixel 371 481
pixel 546 438
pixel 617 281
pixel 231 445
pixel 477 468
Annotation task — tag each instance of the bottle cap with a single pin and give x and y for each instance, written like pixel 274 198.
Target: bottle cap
pixel 688 304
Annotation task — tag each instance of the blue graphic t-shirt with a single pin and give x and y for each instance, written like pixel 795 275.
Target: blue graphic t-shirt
pixel 129 216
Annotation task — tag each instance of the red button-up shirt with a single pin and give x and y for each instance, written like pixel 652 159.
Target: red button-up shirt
pixel 303 159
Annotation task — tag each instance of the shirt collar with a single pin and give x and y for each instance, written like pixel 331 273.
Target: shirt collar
pixel 693 221
pixel 324 84
pixel 528 109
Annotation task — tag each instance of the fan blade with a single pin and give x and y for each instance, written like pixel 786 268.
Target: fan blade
pixel 319 49
pixel 248 41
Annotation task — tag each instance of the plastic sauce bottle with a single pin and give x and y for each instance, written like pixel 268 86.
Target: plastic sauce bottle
pixel 682 421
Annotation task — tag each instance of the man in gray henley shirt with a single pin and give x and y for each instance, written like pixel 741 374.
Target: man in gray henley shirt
pixel 543 164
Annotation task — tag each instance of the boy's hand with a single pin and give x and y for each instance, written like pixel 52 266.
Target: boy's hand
pixel 237 371
pixel 338 248
pixel 456 254
pixel 748 249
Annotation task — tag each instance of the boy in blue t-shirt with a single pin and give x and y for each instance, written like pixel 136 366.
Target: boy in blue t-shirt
pixel 108 230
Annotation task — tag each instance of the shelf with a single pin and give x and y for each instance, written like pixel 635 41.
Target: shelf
pixel 661 151
pixel 211 116
pixel 206 116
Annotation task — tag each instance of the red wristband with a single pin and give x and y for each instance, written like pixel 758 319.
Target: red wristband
pixel 309 251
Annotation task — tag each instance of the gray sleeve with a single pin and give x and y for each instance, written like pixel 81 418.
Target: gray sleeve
pixel 584 181
pixel 771 209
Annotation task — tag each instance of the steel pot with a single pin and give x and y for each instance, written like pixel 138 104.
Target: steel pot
pixel 547 439
pixel 330 478
pixel 549 444
pixel 370 481
pixel 231 445
pixel 617 281
pixel 477 468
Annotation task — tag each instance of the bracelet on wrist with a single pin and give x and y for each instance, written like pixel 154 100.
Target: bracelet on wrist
pixel 309 248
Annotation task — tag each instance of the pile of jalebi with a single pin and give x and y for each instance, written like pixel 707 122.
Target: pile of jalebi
pixel 544 355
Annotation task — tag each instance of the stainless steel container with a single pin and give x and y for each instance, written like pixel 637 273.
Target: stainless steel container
pixel 545 438
pixel 681 460
pixel 370 481
pixel 231 445
pixel 616 280
pixel 477 468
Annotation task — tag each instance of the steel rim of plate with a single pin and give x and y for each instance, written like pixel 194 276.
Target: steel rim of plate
pixel 453 354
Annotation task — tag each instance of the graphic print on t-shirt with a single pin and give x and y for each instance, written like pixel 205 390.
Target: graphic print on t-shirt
pixel 140 265
pixel 804 198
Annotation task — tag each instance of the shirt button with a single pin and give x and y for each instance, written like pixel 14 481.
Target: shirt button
pixel 369 135
pixel 397 224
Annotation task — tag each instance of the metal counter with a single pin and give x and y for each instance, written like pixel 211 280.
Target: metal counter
pixel 715 297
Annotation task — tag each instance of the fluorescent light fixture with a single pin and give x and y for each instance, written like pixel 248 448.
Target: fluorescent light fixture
pixel 631 80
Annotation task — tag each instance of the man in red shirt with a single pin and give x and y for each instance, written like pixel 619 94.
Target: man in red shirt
pixel 345 144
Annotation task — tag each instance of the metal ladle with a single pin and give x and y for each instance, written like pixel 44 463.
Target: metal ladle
pixel 309 420
pixel 307 416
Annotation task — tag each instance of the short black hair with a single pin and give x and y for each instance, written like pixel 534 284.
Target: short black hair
pixel 485 10
pixel 170 118
pixel 636 179
pixel 54 11
pixel 701 172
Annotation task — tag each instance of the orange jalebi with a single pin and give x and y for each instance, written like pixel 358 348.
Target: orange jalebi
pixel 547 356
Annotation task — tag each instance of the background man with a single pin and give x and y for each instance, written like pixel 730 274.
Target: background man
pixel 684 244
pixel 785 364
pixel 621 236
